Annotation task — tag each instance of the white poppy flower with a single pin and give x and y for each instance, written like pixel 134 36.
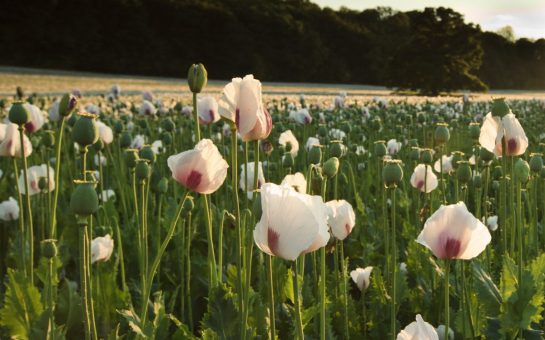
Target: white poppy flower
pixel 311 142
pixel 495 129
pixel 102 249
pixel 342 218
pixel 360 276
pixel 105 132
pixel 207 108
pixel 249 187
pixel 9 210
pixel 452 232
pixel 201 169
pixel 291 224
pixel 393 146
pixel 35 173
pixel 10 145
pixel 147 108
pixel 286 138
pixel 447 164
pixel 296 181
pixel 424 179
pixel 418 330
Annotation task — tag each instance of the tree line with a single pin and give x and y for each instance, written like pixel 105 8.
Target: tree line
pixel 431 50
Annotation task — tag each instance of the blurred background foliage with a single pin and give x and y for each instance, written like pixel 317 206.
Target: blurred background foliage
pixel 278 40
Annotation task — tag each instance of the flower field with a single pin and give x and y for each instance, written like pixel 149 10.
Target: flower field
pixel 236 211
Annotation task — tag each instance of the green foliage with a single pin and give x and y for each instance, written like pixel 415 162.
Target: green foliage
pixel 22 306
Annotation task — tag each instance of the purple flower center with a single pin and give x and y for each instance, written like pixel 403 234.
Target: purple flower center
pixel 451 248
pixel 211 114
pixel 419 185
pixel 272 240
pixel 29 127
pixel 512 146
pixel 193 180
pixel 347 228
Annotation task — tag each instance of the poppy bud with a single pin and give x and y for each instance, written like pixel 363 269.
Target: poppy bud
pixel 18 114
pixel 522 170
pixel 147 153
pixel 331 167
pixel 287 160
pixel 266 147
pixel 142 169
pixel 84 200
pixel 536 162
pixel 188 206
pixel 19 92
pixel 48 139
pixel 131 157
pixel 463 173
pixel 495 186
pixel 500 107
pixel 197 77
pixel 85 131
pixel 392 173
pixel 67 105
pixel 49 248
pixel 474 131
pixel 162 186
pixel 442 134
pixel 380 148
pixel 231 220
pixel 118 127
pixel 485 155
pixel 414 154
pixel 337 149
pixel 427 156
pixel 497 173
pixel 315 155
pixel 125 140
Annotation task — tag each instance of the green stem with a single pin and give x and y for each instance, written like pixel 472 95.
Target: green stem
pixel 447 320
pixel 213 274
pixel 345 294
pixel 30 227
pixel 393 267
pixel 271 296
pixel 298 322
pixel 196 115
pixel 22 230
pixel 234 184
pixel 53 225
pixel 323 274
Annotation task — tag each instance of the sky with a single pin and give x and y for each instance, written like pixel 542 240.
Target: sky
pixel 527 17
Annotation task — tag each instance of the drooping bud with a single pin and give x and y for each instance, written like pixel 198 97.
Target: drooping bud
pixel 315 155
pixel 131 157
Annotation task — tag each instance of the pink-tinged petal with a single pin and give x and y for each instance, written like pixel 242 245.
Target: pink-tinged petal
pixel 489 132
pixel 249 104
pixel 516 139
pixel 418 330
pixel 229 99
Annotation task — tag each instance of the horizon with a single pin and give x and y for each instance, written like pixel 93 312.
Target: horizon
pixel 526 17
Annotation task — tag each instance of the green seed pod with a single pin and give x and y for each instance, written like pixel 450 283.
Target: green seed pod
pixel 18 114
pixel 413 143
pixel 522 170
pixel 118 127
pixel 331 167
pixel 72 120
pixel 474 131
pixel 84 200
pixel 496 185
pixel 421 117
pixel 166 138
pixel 48 139
pixel 287 160
pixel 142 169
pixel 67 105
pixel 414 154
pixel 131 157
pixel 168 124
pixel 315 155
pixel 536 162
pixel 497 173
pixel 162 186
pixel 49 248
pixel 85 131
pixel 485 155
pixel 426 155
pixel 380 148
pixel 457 157
pixel 392 172
pixel 500 107
pixel 463 173
pixel 322 131
pixel 42 183
pixel 337 149
pixel 189 205
pixel 477 181
pixel 442 134
pixel 99 145
pixel 143 123
pixel 147 153
pixel 125 140
pixel 197 77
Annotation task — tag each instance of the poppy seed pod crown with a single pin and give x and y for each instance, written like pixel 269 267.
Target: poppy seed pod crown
pixel 474 131
pixel 426 155
pixel 49 248
pixel 536 162
pixel 463 173
pixel 197 77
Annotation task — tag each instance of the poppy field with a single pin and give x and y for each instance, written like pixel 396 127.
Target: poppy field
pixel 229 215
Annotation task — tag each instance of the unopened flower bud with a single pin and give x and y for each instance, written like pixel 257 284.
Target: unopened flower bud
pixel 125 140
pixel 147 153
pixel 188 206
pixel 67 105
pixel 142 169
pixel 522 170
pixel 48 139
pixel 287 160
pixel 315 155
pixel 331 167
pixel 197 77
pixel 131 157
pixel 380 148
pixel 474 131
pixel 485 155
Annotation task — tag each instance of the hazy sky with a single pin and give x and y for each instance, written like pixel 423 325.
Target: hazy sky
pixel 527 17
